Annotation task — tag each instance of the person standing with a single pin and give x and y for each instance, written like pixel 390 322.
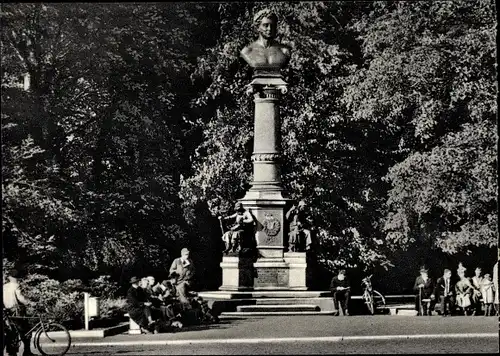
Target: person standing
pixel 496 301
pixel 184 268
pixel 424 287
pixel 15 304
pixel 488 294
pixel 476 293
pixel 341 292
pixel 443 292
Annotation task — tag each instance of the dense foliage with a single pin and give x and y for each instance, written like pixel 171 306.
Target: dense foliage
pixel 136 131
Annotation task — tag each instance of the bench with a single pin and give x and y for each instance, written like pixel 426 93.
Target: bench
pixel 133 327
pixel 437 306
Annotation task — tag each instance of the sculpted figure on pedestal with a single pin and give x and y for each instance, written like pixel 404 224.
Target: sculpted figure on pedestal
pixel 235 237
pixel 266 52
pixel 299 237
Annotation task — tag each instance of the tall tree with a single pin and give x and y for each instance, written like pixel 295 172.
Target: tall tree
pixel 106 106
pixel 429 79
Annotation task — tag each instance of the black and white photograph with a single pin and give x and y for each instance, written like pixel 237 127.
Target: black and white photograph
pixel 250 178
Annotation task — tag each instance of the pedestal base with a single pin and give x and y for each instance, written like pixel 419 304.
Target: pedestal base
pixel 271 274
pixel 297 270
pixel 237 273
pixel 242 274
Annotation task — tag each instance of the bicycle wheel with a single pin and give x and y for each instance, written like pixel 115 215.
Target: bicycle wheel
pixel 54 340
pixel 379 299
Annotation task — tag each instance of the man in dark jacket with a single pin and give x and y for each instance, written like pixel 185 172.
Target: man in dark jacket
pixel 424 288
pixel 443 292
pixel 139 306
pixel 341 292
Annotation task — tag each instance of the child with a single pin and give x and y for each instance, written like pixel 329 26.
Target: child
pixel 487 293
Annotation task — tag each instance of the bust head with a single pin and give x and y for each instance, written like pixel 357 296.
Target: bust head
pixel 266 54
pixel 265 23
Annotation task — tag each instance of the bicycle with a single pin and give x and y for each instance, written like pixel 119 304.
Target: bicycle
pixel 372 298
pixel 47 335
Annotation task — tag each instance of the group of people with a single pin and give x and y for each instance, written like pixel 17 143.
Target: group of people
pixel 469 295
pixel 159 306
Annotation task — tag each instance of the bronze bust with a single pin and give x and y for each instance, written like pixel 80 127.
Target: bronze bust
pixel 265 52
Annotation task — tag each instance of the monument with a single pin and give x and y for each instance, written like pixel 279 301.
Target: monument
pixel 270 268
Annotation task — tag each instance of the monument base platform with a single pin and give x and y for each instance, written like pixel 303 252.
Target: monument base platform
pixel 269 302
pixel 242 273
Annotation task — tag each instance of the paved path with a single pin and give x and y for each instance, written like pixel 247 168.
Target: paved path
pixel 318 326
pixel 427 346
pixel 310 334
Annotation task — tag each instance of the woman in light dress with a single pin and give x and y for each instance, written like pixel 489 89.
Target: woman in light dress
pixel 463 290
pixel 487 287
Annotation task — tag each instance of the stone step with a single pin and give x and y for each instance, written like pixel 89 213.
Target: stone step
pixel 291 301
pixel 402 309
pixel 278 308
pixel 247 314
pixel 406 312
pixel 264 294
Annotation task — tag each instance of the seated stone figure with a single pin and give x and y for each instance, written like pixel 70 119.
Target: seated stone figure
pixel 299 238
pixel 233 237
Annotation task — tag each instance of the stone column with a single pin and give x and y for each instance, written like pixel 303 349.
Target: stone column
pixel 267 137
pixel 266 196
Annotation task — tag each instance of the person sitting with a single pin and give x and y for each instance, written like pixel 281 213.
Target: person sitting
pixel 144 284
pixel 159 289
pixel 443 292
pixel 208 316
pixel 151 284
pixel 464 290
pixel 138 306
pixel 340 288
pixel 154 292
pixel 424 286
pixel 184 268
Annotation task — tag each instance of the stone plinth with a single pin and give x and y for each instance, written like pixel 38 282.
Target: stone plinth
pixel 271 274
pixel 297 265
pixel 237 273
